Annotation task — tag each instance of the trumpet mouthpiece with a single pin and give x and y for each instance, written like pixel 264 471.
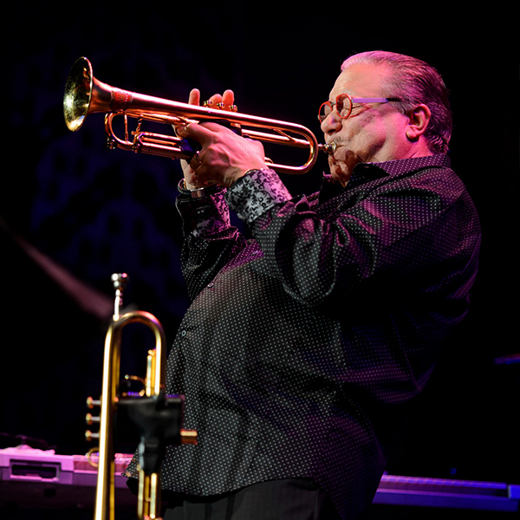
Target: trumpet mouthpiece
pixel 329 148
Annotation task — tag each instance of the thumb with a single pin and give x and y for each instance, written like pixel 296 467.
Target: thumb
pixel 193 131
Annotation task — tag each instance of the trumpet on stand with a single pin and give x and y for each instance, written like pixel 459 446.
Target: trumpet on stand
pixel 157 416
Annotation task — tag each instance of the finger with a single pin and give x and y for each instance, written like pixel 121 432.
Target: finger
pixel 195 162
pixel 194 97
pixel 197 132
pixel 228 99
pixel 214 100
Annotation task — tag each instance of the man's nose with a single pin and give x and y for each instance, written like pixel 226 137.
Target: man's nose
pixel 331 124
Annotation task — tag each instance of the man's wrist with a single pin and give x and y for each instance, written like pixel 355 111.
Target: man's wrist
pixel 195 193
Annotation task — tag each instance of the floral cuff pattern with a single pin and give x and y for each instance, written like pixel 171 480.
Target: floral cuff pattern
pixel 255 193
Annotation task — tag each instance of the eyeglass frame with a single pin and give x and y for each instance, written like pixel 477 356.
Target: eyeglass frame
pixel 353 100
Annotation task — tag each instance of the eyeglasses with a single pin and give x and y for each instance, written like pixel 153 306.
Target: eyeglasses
pixel 344 105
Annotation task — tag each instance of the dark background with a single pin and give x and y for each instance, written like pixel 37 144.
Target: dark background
pixel 90 211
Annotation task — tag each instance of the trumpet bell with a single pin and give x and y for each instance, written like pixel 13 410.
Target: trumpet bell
pixel 78 93
pixel 85 94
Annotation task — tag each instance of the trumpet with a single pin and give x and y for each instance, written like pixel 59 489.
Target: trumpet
pixel 158 417
pixel 84 95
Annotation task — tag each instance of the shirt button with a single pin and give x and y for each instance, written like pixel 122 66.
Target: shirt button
pixel 183 333
pixel 211 284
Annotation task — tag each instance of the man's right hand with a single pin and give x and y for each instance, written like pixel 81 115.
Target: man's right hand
pixel 226 99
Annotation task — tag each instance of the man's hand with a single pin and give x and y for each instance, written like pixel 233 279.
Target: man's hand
pixel 224 156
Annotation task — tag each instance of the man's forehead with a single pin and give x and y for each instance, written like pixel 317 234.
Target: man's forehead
pixel 360 79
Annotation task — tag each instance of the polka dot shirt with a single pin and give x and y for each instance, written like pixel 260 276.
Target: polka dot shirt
pixel 302 344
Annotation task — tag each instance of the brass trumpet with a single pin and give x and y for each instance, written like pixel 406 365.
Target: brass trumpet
pixel 158 417
pixel 84 95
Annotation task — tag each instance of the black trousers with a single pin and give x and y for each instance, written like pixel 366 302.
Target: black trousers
pixel 291 499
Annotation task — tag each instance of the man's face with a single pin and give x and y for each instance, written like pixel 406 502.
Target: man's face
pixel 374 132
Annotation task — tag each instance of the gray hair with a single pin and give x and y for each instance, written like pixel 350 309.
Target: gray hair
pixel 414 82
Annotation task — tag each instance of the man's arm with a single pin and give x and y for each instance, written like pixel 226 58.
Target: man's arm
pixel 210 240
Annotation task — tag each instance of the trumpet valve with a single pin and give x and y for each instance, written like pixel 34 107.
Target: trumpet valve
pixel 91 419
pixel 220 106
pixel 90 436
pixel 91 403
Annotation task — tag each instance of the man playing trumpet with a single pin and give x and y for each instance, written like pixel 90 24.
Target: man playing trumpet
pixel 303 344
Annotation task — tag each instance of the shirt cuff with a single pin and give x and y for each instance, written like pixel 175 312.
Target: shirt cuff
pixel 256 193
pixel 203 216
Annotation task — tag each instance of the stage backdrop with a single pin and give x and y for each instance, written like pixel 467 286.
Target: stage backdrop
pixel 73 212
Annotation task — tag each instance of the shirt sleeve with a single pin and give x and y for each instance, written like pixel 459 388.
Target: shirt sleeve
pixel 384 238
pixel 210 240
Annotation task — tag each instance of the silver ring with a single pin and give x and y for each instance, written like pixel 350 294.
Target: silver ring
pixel 197 157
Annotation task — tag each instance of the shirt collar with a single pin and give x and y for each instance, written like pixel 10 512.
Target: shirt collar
pixel 407 165
pixel 364 172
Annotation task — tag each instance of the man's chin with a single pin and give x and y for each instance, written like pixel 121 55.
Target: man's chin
pixel 339 172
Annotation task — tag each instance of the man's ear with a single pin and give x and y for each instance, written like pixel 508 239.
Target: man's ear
pixel 419 118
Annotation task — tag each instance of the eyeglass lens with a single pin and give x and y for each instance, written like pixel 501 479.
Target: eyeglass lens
pixel 343 105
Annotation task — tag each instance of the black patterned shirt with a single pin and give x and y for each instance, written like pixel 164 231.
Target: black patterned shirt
pixel 302 344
